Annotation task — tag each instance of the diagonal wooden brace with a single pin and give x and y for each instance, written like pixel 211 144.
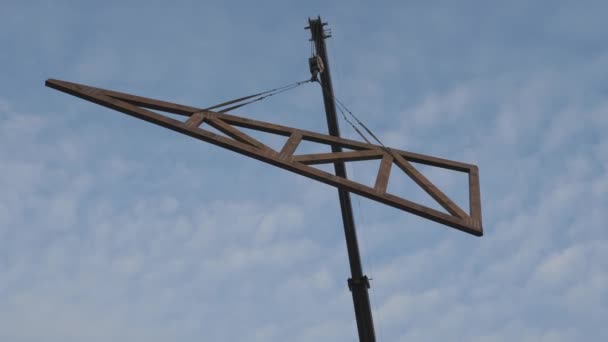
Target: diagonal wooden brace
pixel 240 142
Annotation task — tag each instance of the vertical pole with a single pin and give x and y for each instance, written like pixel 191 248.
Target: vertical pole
pixel 358 283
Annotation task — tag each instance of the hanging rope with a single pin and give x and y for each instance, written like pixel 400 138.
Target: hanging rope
pixel 255 97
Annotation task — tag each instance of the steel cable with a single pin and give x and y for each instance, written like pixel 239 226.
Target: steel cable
pixel 260 96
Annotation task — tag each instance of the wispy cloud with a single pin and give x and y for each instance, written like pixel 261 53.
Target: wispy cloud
pixel 111 229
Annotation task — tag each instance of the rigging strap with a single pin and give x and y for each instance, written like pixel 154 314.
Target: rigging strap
pixel 245 100
pixel 360 123
pixel 342 107
pixel 255 97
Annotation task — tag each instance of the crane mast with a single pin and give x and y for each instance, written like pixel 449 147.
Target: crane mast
pixel 358 283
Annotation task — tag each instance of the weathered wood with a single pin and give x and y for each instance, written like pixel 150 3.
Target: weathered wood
pixel 384 172
pixel 455 219
pixel 234 133
pixel 429 187
pixel 290 145
pixel 261 126
pixel 474 194
pixel 342 142
pixel 140 101
pixel 196 119
pixel 325 158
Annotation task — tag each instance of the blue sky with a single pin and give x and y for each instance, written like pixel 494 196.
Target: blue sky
pixel 114 229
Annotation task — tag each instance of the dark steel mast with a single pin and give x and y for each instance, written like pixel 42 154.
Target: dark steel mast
pixel 358 283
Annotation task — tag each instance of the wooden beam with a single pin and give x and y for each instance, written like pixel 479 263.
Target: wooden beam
pixel 325 158
pixel 196 119
pixel 234 133
pixel 474 194
pixel 70 87
pixel 454 219
pixel 342 142
pixel 429 187
pixel 384 172
pixel 140 101
pixel 290 145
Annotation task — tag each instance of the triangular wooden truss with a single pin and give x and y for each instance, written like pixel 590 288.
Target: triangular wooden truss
pixel 238 141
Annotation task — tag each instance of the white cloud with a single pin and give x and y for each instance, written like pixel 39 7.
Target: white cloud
pixel 110 232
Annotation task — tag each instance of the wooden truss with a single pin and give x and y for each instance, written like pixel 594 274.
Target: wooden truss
pixel 236 140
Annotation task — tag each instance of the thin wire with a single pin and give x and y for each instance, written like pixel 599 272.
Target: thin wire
pixel 293 86
pixel 352 125
pixel 342 108
pixel 262 95
pixel 359 122
pixel 343 114
pixel 341 105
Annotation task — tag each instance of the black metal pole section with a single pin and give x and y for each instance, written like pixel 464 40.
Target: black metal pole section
pixel 358 283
